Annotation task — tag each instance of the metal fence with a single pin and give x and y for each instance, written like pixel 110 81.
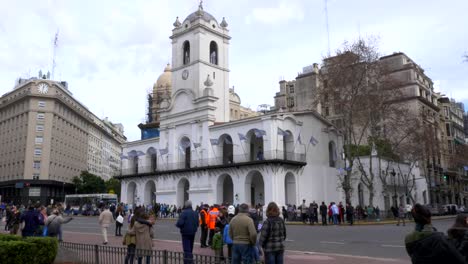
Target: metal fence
pixel 99 254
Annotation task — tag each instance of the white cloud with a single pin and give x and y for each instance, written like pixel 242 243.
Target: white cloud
pixel 285 11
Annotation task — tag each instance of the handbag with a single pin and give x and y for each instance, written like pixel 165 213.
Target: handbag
pixel 120 219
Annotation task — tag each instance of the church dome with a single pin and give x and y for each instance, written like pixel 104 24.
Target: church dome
pixel 165 79
pixel 200 13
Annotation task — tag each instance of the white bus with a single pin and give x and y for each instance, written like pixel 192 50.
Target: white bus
pixel 88 204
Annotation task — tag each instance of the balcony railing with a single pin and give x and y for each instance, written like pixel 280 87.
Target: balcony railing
pixel 226 161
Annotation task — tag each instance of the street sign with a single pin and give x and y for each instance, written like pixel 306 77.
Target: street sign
pixel 19 185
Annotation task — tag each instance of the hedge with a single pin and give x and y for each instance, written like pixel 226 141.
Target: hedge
pixel 18 250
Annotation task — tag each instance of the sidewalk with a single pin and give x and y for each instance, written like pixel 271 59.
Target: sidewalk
pixel 292 257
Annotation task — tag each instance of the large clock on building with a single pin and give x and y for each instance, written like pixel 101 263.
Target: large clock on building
pixel 185 74
pixel 43 88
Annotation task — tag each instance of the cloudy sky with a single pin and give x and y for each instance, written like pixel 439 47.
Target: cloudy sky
pixel 111 52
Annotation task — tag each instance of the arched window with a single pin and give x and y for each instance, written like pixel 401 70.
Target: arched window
pixel 332 153
pixel 186 52
pixel 213 53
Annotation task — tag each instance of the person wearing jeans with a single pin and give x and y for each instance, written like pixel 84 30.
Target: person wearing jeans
pixel 244 236
pixel 335 212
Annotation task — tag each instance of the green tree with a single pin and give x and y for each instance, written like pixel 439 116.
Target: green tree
pixel 113 186
pixel 89 183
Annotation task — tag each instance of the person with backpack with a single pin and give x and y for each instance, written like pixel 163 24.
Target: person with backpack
pixel 273 235
pixel 54 222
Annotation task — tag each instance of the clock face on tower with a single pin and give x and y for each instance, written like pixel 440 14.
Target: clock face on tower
pixel 43 88
pixel 185 74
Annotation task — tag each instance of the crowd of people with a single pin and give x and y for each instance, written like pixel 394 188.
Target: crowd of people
pixel 34 219
pixel 240 229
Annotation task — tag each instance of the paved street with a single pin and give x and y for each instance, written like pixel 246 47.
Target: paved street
pixel 366 241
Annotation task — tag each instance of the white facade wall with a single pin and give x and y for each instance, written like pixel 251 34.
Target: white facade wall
pixel 395 185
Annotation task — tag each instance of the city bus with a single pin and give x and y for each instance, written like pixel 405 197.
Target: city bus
pixel 88 204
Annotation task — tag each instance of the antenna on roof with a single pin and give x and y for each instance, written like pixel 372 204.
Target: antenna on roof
pixel 55 53
pixel 326 21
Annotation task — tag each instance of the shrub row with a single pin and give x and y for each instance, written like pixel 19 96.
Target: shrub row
pixel 18 250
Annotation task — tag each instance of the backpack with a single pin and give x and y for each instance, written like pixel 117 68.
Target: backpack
pixel 226 238
pixel 53 228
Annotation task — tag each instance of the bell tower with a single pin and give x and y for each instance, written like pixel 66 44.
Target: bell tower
pixel 200 64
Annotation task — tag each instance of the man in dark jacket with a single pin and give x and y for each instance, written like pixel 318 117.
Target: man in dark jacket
pixel 323 213
pixel 425 245
pixel 188 225
pixel 31 221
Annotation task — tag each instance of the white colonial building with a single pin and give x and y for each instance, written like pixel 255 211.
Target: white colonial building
pixel 394 183
pixel 204 156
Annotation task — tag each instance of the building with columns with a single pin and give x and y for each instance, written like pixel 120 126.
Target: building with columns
pixel 205 154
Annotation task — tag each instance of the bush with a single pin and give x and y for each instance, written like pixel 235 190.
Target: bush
pixel 5 237
pixel 37 250
pixel 47 248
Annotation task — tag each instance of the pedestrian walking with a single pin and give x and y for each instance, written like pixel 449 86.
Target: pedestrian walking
pixel 323 213
pixel 54 222
pixel 119 219
pixel 401 214
pixel 204 220
pixel 244 236
pixel 458 234
pixel 427 246
pixel 105 219
pixel 188 225
pixel 273 235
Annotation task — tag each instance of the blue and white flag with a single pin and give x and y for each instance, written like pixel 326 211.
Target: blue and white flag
pixel 196 145
pixel 283 133
pixel 182 150
pixel 299 140
pixel 259 133
pixel 214 141
pixel 241 136
pixel 163 151
pixel 227 141
pixel 140 153
pixel 122 156
pixel 313 141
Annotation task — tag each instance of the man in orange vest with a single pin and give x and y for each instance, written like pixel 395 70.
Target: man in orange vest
pixel 213 214
pixel 204 220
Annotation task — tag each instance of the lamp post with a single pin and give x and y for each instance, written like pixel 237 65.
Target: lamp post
pixel 394 188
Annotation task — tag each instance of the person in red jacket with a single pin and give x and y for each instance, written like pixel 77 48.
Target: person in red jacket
pixel 213 215
pixel 330 213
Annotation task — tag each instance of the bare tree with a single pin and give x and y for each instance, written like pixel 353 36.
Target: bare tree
pixel 356 93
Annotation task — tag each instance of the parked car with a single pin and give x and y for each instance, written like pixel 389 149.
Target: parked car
pixel 450 209
pixel 436 209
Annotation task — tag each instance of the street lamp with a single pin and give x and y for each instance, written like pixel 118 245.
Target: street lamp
pixel 394 188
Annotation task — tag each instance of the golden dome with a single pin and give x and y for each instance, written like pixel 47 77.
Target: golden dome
pixel 165 79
